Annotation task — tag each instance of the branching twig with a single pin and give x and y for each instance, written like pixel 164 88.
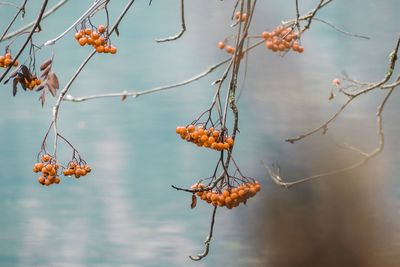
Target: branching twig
pixel 78 71
pixel 20 9
pixel 38 20
pixel 183 26
pixel 31 24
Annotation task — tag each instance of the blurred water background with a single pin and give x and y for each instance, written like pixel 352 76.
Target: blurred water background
pixel 126 214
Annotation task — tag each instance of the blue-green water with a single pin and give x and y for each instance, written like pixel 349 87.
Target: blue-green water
pixel 126 214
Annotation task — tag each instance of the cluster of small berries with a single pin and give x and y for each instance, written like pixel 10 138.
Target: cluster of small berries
pixel 6 60
pixel 231 197
pixel 241 16
pixel 48 168
pixel 77 169
pixel 96 38
pixel 210 137
pixel 33 83
pixel 282 39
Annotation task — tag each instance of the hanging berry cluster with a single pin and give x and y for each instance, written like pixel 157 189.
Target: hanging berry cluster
pixel 77 169
pixel 97 38
pixel 210 138
pixel 282 39
pixel 49 169
pixel 6 60
pixel 229 197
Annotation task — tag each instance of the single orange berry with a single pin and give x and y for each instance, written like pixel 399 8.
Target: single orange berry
pixel 191 128
pixel 101 28
pixel 100 49
pixel 41 179
pixel 221 45
pixel 88 31
pixel 82 41
pixel 265 35
pixel 46 158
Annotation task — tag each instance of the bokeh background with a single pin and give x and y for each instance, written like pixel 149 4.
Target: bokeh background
pixel 126 214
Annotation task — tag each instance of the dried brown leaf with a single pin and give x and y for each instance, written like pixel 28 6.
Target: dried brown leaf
pixel 45 72
pixel 15 82
pixel 194 201
pixel 124 97
pixel 45 64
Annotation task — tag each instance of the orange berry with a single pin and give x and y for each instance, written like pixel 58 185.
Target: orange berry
pixel 113 49
pixel 237 15
pixel 16 63
pixel 82 41
pixel 47 182
pixel 336 82
pixel 204 138
pixel 100 49
pixel 2 59
pixel 7 62
pixel 269 44
pixel 300 49
pixel 221 45
pixel 194 135
pixel 78 35
pixel 7 55
pixel 101 28
pixel 211 140
pixel 38 82
pixel 244 17
pixel 88 31
pixel 226 145
pixel 57 180
pixel 95 35
pixel 230 49
pixel 265 35
pixel 230 140
pixel 49 167
pixel 215 133
pixel 191 128
pixel 41 179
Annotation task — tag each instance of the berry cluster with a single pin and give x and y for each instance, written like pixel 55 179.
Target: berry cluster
pixel 230 197
pixel 96 38
pixel 48 168
pixel 6 60
pixel 32 83
pixel 282 39
pixel 74 168
pixel 210 137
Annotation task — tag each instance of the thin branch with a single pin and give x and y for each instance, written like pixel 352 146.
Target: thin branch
pixel 274 174
pixel 183 26
pixel 30 25
pixel 340 30
pixel 78 71
pixel 352 96
pixel 20 9
pixel 37 23
pixel 208 239
pixel 93 7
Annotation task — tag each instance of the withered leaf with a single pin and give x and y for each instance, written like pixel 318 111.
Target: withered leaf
pixel 52 83
pixel 22 84
pixel 42 98
pixel 45 64
pixel 194 201
pixel 123 97
pixel 26 73
pixel 331 96
pixel 15 82
pixel 117 31
pixel 45 72
pixel 40 88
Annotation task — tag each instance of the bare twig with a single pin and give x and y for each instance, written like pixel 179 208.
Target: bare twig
pixel 78 71
pixel 38 20
pixel 352 96
pixel 183 26
pixel 340 30
pixel 31 24
pixel 208 239
pixel 20 9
